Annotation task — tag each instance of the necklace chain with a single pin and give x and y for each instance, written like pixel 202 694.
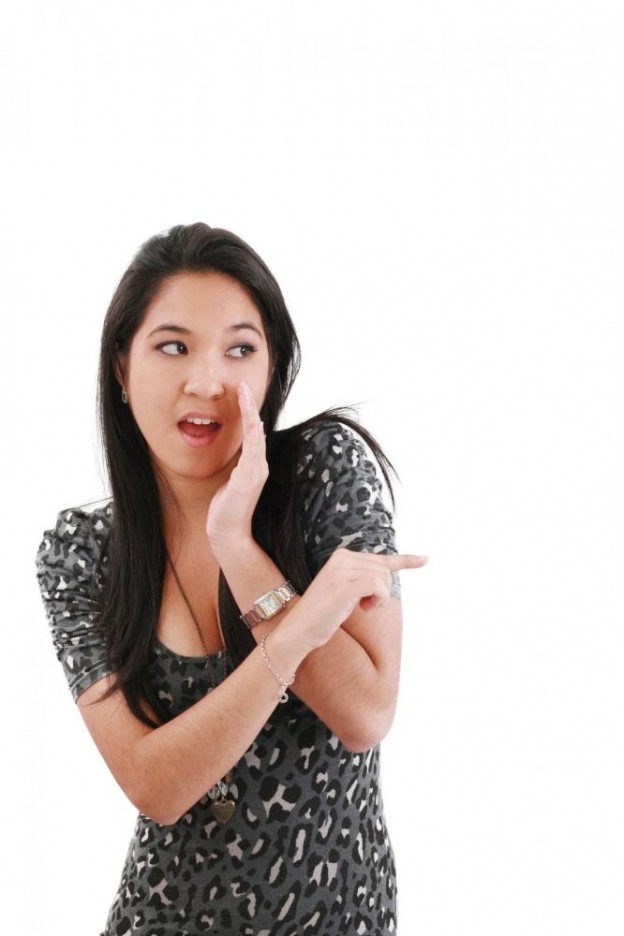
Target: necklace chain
pixel 209 666
pixel 223 807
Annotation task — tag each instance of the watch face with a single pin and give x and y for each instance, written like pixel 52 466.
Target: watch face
pixel 269 605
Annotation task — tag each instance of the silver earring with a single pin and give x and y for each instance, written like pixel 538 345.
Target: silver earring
pixel 124 396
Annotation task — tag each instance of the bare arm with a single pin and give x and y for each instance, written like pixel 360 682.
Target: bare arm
pixel 165 770
pixel 351 682
pixel 342 637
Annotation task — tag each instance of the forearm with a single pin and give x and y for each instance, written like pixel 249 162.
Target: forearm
pixel 354 696
pixel 350 686
pixel 166 770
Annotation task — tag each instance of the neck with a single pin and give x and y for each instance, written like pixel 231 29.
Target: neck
pixel 185 501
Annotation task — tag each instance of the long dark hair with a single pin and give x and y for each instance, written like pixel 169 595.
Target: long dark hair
pixel 136 552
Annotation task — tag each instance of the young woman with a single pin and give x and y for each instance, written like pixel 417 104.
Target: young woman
pixel 228 622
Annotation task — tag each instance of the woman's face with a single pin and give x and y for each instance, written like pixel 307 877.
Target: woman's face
pixel 200 337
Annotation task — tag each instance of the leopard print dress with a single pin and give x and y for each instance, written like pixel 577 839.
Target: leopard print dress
pixel 307 850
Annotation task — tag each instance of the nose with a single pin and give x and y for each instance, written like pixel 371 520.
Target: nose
pixel 205 380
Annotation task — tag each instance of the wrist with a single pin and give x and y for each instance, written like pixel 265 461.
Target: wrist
pixel 285 681
pixel 285 646
pixel 267 605
pixel 294 632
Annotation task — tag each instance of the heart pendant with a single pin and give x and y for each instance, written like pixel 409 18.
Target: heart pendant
pixel 223 809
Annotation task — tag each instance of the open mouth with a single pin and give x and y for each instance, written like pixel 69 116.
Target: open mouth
pixel 199 428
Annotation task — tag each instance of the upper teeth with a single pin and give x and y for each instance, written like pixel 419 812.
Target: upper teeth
pixel 198 421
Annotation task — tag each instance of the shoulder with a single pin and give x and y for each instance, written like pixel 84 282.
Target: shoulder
pixel 329 443
pixel 339 488
pixel 333 456
pixel 328 433
pixel 76 542
pixel 339 495
pixel 71 561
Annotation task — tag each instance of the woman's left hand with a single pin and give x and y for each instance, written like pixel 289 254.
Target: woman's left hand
pixel 232 507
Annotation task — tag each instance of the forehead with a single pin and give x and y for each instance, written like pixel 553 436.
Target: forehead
pixel 197 300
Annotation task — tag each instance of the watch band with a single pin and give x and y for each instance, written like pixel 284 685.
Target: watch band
pixel 268 605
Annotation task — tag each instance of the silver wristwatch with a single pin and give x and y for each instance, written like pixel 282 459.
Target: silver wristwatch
pixel 268 605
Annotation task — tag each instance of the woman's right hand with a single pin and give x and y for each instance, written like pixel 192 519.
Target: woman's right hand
pixel 231 509
pixel 348 580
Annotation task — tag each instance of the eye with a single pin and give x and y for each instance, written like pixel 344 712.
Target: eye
pixel 241 350
pixel 172 348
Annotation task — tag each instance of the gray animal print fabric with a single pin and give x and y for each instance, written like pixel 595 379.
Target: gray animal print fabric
pixel 307 850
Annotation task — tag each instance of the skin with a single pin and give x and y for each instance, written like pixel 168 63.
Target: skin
pixel 342 638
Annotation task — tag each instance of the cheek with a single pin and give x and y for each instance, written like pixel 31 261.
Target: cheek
pixel 259 381
pixel 260 392
pixel 148 400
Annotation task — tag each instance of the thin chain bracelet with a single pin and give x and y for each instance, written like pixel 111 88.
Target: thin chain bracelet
pixel 284 684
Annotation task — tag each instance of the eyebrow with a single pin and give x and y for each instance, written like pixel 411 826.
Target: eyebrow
pixel 180 330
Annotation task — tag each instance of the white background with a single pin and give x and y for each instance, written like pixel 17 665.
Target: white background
pixel 438 188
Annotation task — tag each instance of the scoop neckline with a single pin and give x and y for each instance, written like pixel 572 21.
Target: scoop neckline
pixel 183 656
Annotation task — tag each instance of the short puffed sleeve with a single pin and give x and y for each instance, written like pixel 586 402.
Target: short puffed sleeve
pixel 69 573
pixel 340 497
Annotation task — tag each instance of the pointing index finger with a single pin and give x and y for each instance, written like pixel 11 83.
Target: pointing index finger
pixel 405 561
